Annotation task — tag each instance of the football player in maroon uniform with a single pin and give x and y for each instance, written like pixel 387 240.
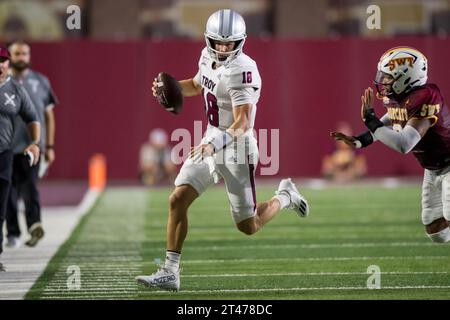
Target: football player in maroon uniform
pixel 417 121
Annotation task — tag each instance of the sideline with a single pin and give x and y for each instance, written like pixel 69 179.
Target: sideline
pixel 24 265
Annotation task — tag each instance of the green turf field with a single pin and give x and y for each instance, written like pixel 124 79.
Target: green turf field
pixel 324 256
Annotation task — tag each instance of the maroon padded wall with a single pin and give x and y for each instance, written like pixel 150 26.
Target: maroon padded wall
pixel 308 86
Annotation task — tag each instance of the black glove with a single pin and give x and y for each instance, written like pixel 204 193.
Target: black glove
pixel 371 120
pixel 364 139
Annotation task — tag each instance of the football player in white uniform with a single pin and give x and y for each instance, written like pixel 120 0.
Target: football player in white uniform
pixel 230 84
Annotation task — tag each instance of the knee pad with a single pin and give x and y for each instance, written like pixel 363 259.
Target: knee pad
pixel 441 236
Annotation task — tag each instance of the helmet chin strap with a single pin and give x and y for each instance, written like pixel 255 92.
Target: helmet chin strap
pixel 215 55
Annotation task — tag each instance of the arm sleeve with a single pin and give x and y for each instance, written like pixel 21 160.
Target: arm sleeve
pixel 242 96
pixel 403 141
pixel 27 109
pixel 386 121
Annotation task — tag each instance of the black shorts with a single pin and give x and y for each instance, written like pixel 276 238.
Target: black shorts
pixel 6 160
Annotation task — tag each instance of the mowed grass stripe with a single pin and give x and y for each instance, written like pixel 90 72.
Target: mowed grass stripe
pixel 106 281
pixel 272 260
pixel 110 225
pixel 348 230
pixel 304 289
pixel 306 246
pixel 379 220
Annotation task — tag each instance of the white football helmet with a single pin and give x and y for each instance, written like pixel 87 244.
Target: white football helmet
pixel 407 66
pixel 225 26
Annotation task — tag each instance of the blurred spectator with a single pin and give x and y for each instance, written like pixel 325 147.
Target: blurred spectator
pixel 344 164
pixel 155 163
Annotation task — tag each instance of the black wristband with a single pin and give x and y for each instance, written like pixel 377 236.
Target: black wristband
pixel 49 146
pixel 365 138
pixel 371 120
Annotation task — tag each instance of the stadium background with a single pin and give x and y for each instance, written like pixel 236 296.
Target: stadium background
pixel 315 58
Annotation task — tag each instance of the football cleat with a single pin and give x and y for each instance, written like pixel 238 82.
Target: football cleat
pixel 37 233
pixel 163 278
pixel 297 202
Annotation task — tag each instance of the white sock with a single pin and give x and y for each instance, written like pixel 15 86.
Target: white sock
pixel 284 199
pixel 172 260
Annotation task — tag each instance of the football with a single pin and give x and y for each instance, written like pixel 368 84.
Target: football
pixel 168 93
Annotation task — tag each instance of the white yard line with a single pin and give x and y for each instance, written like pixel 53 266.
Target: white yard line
pixel 302 289
pixel 24 265
pixel 284 274
pixel 308 246
pixel 101 294
pixel 114 283
pixel 315 259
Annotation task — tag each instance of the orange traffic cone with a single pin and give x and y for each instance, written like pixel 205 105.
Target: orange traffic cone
pixel 97 172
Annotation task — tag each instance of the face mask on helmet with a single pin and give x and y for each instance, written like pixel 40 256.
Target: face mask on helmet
pixel 225 26
pixel 221 56
pixel 383 83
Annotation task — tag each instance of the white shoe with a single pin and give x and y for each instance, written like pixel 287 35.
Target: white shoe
pixel 297 202
pixel 163 278
pixel 13 242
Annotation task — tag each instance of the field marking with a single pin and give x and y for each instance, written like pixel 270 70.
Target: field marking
pixel 309 246
pixel 135 289
pixel 32 263
pixel 81 294
pixel 302 289
pixel 309 274
pixel 56 284
pixel 194 247
pixel 94 266
pixel 316 259
pixel 99 282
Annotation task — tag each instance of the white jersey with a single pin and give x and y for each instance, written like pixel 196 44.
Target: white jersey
pixel 228 86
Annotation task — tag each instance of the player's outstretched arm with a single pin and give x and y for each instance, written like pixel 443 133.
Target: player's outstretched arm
pixel 405 140
pixel 368 116
pixel 190 88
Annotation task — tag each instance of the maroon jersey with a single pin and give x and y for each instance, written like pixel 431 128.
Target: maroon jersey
pixel 433 150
